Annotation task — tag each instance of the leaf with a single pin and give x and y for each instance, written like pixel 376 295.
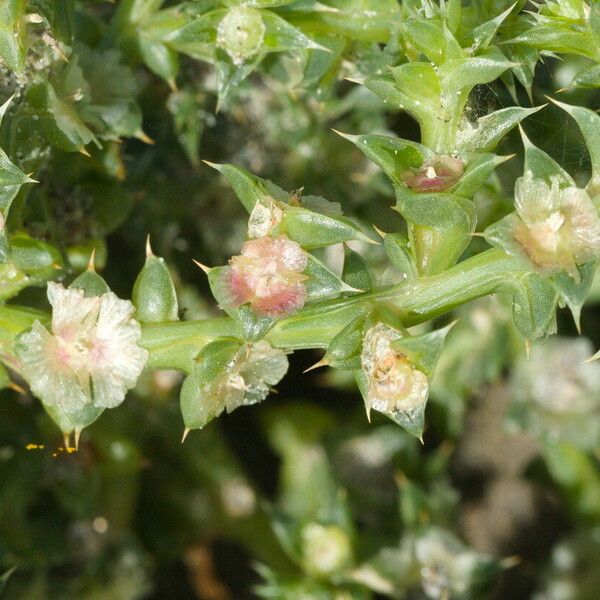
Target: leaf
pixel 427 37
pixel 534 304
pixel 463 74
pixel 57 103
pixel 558 37
pixel 482 35
pixel 441 227
pixel 573 293
pixel 13 46
pixel 229 75
pixel 423 350
pixel 588 78
pixel 91 283
pixel 397 247
pixel 281 36
pixel 477 171
pixel 5 577
pixel 249 188
pixel 393 155
pixel 153 294
pixel 356 272
pixel 589 124
pixel 344 350
pixel 490 129
pixel 322 283
pixel 541 165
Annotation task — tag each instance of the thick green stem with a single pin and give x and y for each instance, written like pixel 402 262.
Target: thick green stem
pixel 174 345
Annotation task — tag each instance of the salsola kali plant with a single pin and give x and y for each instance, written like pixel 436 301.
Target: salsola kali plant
pixel 71 97
pixel 278 295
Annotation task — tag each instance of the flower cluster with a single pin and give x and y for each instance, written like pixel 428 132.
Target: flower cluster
pixel 90 355
pixel 557 228
pixel 248 377
pixel 268 276
pixel 395 385
pixel 558 399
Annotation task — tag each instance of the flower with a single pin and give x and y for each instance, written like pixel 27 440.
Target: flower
pixel 557 228
pixel 249 376
pixel 268 275
pixel 556 395
pixel 435 175
pixel 241 33
pixel 395 385
pixel 90 355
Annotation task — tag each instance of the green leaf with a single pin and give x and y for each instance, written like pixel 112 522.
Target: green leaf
pixel 249 188
pixel 36 258
pixel 397 247
pixel 356 272
pixel 5 577
pixel 315 230
pixel 588 78
pixel 477 171
pixel 393 155
pixel 281 36
pixel 58 103
pixel 541 165
pixel 323 284
pixel 573 293
pixel 344 350
pixel 558 37
pixel 482 35
pixel 427 37
pixel 534 304
pixel 442 225
pixel 589 124
pixel 490 129
pixel 13 35
pixel 423 350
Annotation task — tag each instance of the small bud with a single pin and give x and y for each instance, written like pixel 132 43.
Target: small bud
pixel 557 229
pixel 241 33
pixel 435 175
pixel 268 276
pixel 326 549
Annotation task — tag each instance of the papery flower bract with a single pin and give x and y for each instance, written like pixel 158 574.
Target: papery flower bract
pixel 326 550
pixel 435 175
pixel 265 216
pixel 395 386
pixel 268 275
pixel 89 357
pixel 241 33
pixel 249 376
pixel 557 229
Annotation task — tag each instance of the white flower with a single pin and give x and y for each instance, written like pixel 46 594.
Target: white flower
pixel 249 376
pixel 395 385
pixel 89 356
pixel 558 228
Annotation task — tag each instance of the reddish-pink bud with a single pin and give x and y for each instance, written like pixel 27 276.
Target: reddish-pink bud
pixel 435 175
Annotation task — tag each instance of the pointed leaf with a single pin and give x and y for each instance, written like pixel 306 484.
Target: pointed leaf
pixel 356 272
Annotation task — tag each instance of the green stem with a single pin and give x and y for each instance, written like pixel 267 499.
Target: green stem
pixel 174 345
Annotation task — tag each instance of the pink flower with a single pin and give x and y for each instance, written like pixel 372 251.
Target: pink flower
pixel 435 175
pixel 268 276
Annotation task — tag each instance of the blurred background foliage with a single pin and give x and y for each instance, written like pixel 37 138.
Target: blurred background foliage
pixel 300 498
